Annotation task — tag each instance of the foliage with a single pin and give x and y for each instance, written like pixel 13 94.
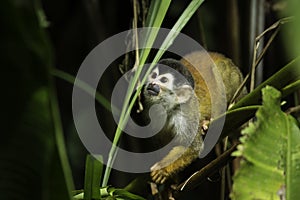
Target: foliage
pixel 33 159
pixel 286 80
pixel 33 162
pixel 93 173
pixel 111 193
pixel 270 148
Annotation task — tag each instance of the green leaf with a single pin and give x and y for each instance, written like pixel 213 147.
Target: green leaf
pixel 93 173
pixel 113 193
pixel 286 80
pixel 85 87
pixel 124 194
pixel 288 74
pixel 155 17
pixel 270 149
pixel 33 162
pixel 293 160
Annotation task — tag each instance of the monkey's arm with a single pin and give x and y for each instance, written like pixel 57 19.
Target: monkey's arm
pixel 176 160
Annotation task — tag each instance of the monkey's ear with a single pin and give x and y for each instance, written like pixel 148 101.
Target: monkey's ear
pixel 184 93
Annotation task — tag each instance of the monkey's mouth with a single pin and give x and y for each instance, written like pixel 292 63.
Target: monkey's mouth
pixel 153 89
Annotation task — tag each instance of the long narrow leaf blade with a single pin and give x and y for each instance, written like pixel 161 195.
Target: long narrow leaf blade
pixel 93 172
pixel 156 15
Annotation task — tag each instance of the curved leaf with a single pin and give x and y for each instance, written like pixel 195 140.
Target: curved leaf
pixel 270 148
pixel 286 80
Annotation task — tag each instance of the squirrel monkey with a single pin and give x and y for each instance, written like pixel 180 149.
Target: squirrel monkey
pixel 184 95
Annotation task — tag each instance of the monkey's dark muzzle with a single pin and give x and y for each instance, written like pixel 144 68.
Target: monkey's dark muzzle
pixel 153 89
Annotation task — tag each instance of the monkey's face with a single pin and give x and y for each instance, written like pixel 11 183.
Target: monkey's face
pixel 167 87
pixel 157 83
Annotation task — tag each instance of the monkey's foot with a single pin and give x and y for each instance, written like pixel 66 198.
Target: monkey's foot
pixel 159 174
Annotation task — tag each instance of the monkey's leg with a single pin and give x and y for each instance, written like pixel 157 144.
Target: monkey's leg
pixel 176 160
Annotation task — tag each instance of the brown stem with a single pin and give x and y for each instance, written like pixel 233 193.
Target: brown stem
pixel 276 26
pixel 199 176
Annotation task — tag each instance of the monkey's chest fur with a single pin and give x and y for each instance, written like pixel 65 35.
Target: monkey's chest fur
pixel 180 124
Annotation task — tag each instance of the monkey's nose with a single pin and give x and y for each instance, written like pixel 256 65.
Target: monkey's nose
pixel 153 89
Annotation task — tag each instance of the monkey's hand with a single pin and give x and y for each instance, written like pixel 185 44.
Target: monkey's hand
pixel 160 174
pixel 176 160
pixel 165 168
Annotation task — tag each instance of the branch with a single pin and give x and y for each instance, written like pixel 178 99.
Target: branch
pixel 199 176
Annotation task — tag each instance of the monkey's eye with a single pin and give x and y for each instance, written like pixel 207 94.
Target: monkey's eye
pixel 154 75
pixel 164 79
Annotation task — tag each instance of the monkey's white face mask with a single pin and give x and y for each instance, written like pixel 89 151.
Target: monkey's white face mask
pixel 167 87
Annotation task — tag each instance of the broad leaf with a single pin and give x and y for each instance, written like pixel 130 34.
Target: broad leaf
pixel 270 149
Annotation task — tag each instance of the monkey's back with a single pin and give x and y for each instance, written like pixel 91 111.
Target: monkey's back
pixel 206 63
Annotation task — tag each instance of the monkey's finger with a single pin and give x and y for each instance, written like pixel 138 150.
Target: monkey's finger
pixel 155 167
pixel 163 180
pixel 157 177
pixel 154 175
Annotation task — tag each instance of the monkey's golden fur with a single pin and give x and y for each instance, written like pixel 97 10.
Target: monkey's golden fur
pixel 209 64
